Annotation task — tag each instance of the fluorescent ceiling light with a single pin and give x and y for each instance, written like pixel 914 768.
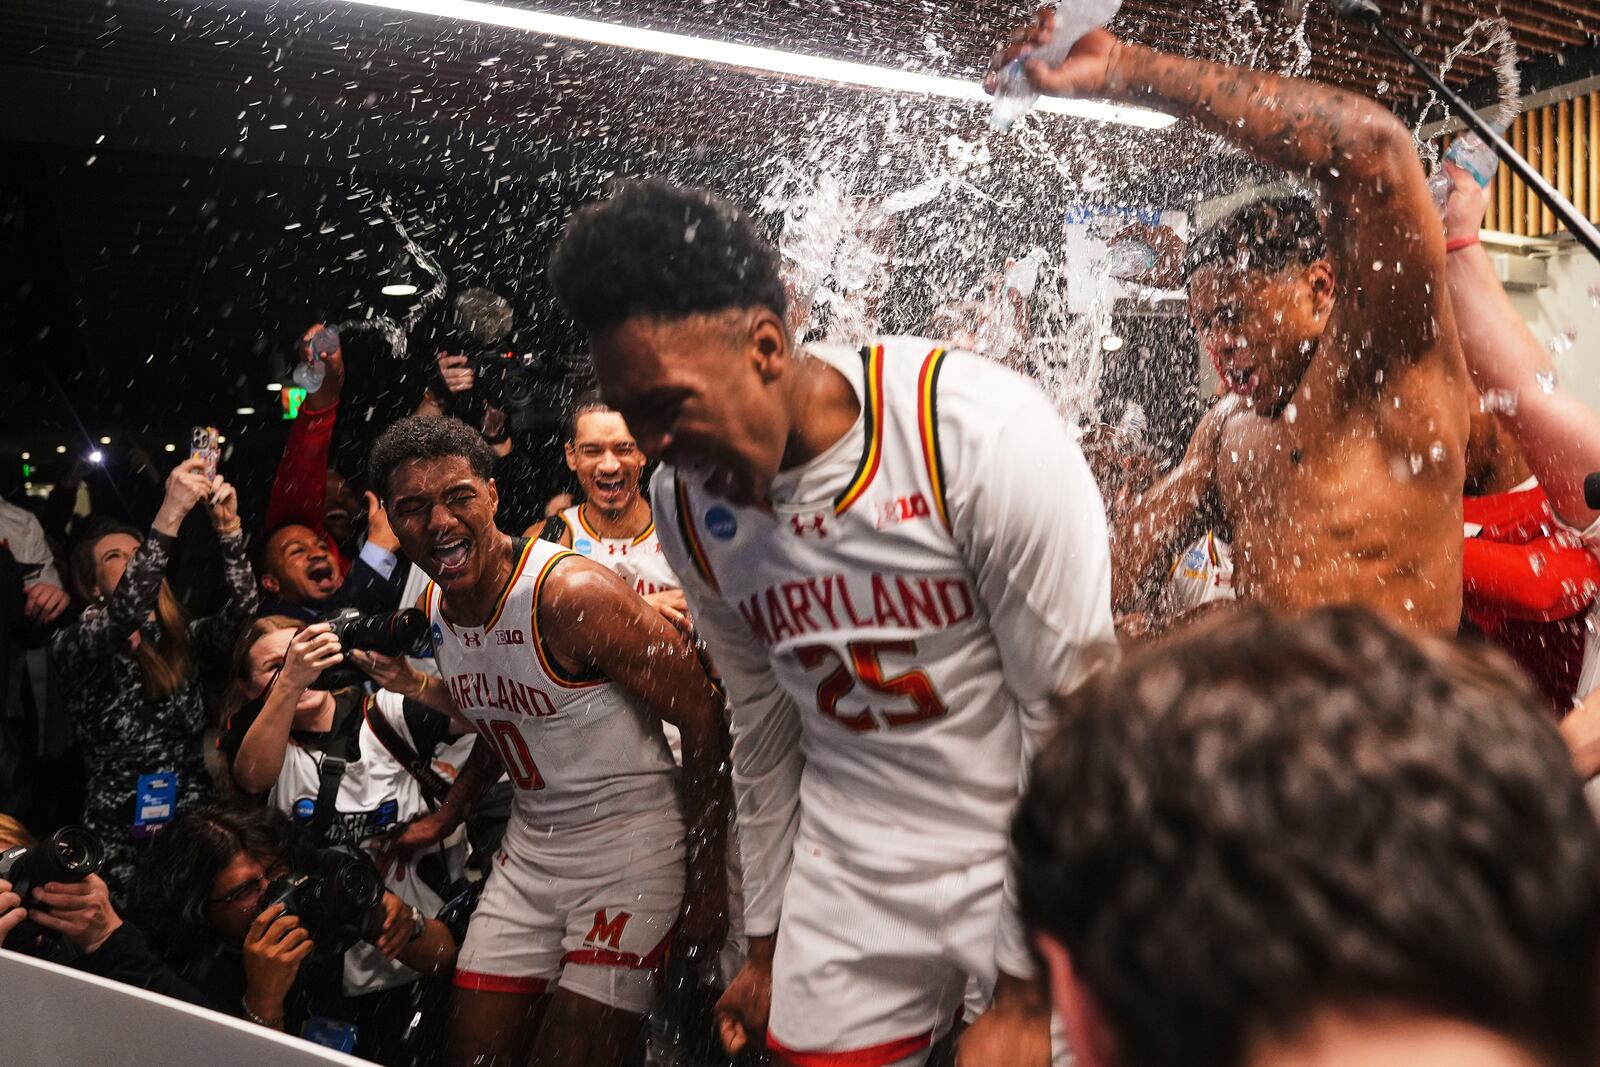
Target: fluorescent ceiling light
pixel 771 60
pixel 399 289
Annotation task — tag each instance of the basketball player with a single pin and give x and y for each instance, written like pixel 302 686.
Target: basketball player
pixel 568 675
pixel 613 525
pixel 896 555
pixel 1338 461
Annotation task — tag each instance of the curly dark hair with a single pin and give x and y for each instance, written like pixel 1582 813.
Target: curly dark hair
pixel 1265 818
pixel 426 437
pixel 666 251
pixel 1266 235
pixel 175 875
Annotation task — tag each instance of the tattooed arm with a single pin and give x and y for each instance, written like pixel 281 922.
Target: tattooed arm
pixel 1385 238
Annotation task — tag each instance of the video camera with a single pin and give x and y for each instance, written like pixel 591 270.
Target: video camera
pixel 529 389
pixel 339 901
pixel 71 854
pixel 399 633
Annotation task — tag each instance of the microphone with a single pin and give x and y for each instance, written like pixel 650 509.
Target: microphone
pixel 1591 490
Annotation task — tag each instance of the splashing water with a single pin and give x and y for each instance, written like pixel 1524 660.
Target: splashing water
pixel 394 333
pixel 1497 38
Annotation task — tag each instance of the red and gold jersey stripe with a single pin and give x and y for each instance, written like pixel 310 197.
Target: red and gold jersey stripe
pixel 691 536
pixel 511 583
pixel 588 528
pixel 583 520
pixel 872 448
pixel 928 428
pixel 547 661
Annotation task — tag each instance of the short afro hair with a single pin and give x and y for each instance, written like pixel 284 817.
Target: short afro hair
pixel 1266 235
pixel 663 251
pixel 426 437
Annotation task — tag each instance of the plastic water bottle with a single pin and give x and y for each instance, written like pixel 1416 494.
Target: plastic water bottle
pixel 1023 275
pixel 1014 95
pixel 1130 259
pixel 308 375
pixel 1472 154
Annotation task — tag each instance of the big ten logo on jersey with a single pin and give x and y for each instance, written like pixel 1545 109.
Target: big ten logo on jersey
pixel 607 930
pixel 477 690
pixel 902 509
pixel 510 637
pixel 352 827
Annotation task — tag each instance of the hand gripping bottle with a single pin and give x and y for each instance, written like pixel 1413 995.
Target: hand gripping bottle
pixel 1014 96
pixel 1472 154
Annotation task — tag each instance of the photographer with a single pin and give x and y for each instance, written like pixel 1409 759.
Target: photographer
pixel 72 921
pixel 325 548
pixel 225 895
pixel 305 714
pixel 515 405
pixel 135 698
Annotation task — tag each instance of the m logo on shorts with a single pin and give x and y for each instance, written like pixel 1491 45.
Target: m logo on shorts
pixel 607 931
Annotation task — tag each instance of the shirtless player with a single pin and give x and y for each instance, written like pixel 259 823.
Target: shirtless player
pixel 896 555
pixel 567 674
pixel 1338 462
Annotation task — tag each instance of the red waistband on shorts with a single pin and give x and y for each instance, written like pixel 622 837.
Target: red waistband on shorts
pixel 871 1056
pixel 499 983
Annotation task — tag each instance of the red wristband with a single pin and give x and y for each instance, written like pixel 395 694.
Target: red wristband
pixel 1456 244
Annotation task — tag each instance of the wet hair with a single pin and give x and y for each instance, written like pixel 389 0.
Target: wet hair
pixel 585 404
pixel 662 251
pixel 426 437
pixel 175 876
pixel 1265 818
pixel 1266 235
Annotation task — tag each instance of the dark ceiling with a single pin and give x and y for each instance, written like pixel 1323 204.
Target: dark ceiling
pixel 187 185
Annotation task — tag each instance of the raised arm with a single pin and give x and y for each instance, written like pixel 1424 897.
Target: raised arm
pixel 259 757
pixel 1168 515
pixel 1384 237
pixel 594 620
pixel 1557 432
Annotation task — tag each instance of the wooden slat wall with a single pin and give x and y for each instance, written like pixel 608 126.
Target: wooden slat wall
pixel 1562 141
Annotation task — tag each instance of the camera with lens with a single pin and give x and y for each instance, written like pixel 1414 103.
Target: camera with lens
pixel 71 854
pixel 397 633
pixel 339 901
pixel 528 388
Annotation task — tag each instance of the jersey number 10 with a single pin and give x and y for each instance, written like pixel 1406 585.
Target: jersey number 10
pixel 861 665
pixel 514 752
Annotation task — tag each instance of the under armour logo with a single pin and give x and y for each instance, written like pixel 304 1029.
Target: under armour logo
pixel 471 639
pixel 812 525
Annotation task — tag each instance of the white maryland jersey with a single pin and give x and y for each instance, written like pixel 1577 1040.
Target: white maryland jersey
pixel 580 752
pixel 916 592
pixel 1202 574
pixel 638 560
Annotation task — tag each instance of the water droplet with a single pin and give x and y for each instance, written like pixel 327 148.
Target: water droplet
pixel 1498 401
pixel 1436 452
pixel 1594 296
pixel 1290 412
pixel 1547 381
pixel 1563 341
pixel 1415 459
pixel 1536 563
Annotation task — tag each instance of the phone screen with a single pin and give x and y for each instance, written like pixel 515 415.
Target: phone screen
pixel 204 444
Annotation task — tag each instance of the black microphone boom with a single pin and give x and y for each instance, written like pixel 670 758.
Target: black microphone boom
pixel 1367 12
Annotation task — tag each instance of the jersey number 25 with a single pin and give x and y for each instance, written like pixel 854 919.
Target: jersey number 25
pixel 861 665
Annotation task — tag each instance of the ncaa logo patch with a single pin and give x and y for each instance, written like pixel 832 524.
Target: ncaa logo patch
pixel 583 546
pixel 438 634
pixel 304 808
pixel 720 523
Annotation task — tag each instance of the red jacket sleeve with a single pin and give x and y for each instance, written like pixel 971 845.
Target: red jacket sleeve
pixel 300 486
pixel 1544 580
